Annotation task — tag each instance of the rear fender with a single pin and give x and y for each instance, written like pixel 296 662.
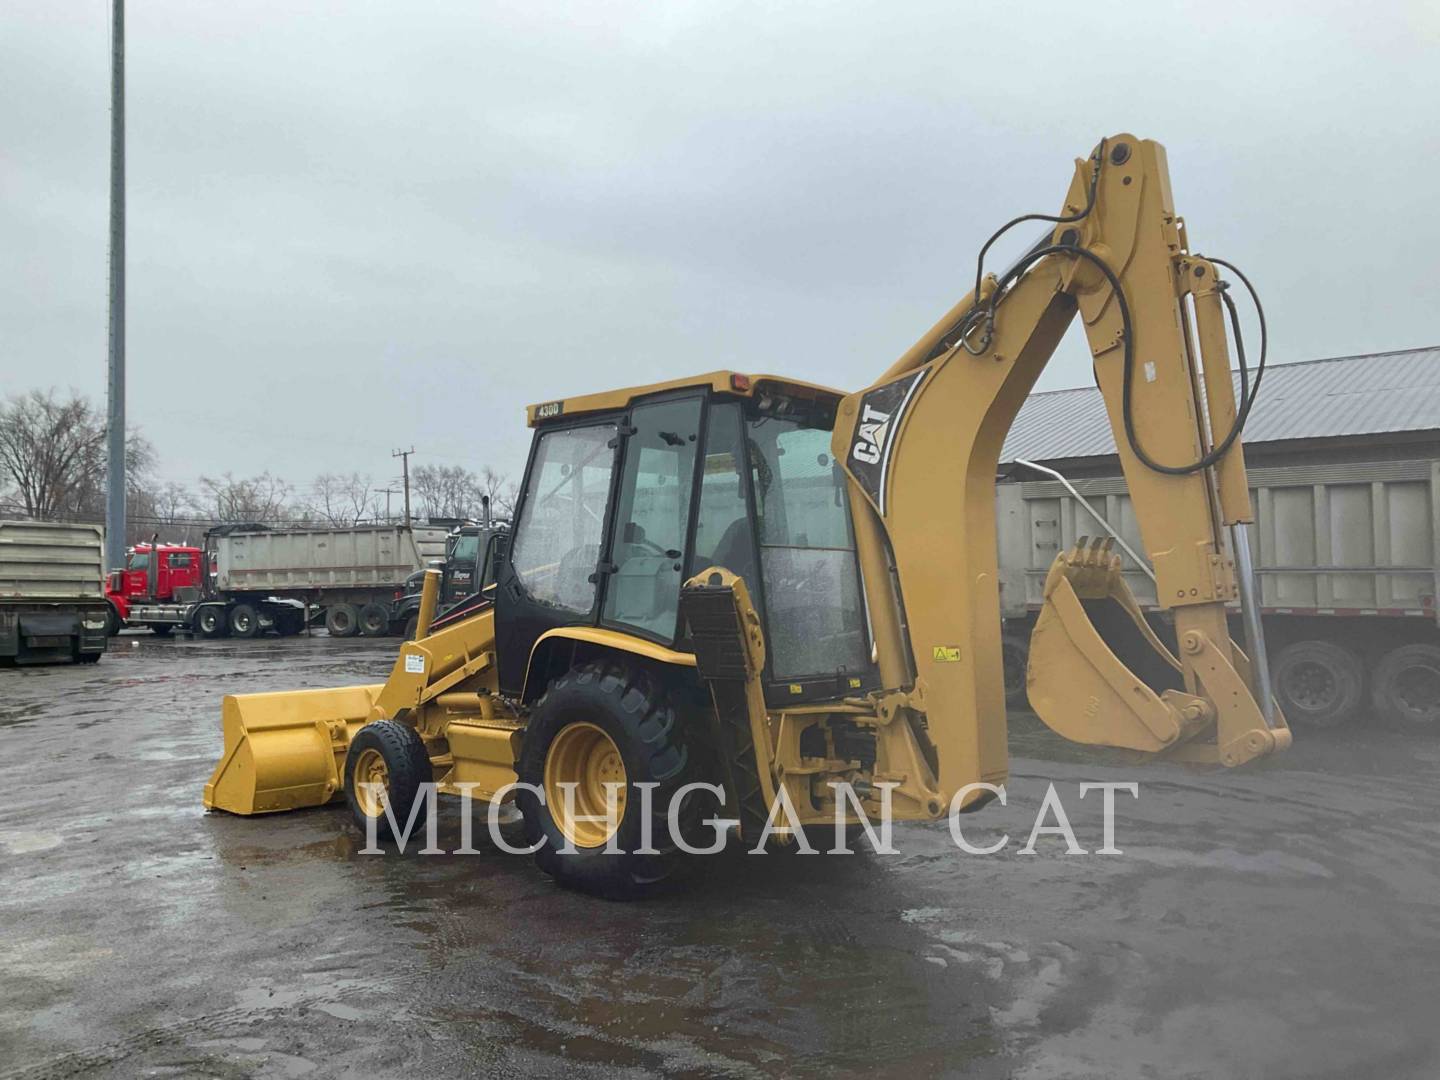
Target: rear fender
pixel 563 646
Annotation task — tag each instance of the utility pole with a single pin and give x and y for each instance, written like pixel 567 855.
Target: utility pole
pixel 387 492
pixel 404 456
pixel 115 466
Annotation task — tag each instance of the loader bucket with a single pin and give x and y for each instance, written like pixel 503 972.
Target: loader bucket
pixel 286 750
pixel 1077 684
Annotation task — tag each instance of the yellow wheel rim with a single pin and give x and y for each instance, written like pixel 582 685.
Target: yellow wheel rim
pixel 583 755
pixel 370 769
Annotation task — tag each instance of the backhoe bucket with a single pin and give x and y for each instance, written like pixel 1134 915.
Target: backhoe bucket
pixel 1077 684
pixel 286 750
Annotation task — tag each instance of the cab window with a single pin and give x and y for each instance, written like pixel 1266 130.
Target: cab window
pixel 562 519
pixel 140 560
pixel 652 515
pixel 807 551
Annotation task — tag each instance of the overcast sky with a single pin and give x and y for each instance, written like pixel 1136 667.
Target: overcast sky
pixel 357 226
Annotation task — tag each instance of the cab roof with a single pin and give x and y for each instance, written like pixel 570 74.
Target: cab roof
pixel 720 382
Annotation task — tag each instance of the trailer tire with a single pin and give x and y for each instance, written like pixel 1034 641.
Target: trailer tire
pixel 244 621
pixel 374 621
pixel 210 622
pixel 289 622
pixel 626 717
pixel 393 754
pixel 1406 691
pixel 342 620
pixel 1319 684
pixel 1015 652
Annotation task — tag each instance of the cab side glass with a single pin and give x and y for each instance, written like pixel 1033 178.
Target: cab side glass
pixel 652 516
pixel 562 523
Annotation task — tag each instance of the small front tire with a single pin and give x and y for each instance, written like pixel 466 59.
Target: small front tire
pixel 387 764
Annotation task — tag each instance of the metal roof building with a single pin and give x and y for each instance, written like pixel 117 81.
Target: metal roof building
pixel 1378 402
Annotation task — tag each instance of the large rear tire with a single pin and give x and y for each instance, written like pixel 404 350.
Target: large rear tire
pixel 244 621
pixel 374 621
pixel 1319 684
pixel 603 722
pixel 342 620
pixel 1406 692
pixel 210 622
pixel 391 756
pixel 163 629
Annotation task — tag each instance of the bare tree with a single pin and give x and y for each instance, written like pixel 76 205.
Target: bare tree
pixel 445 491
pixel 262 498
pixel 342 500
pixel 50 449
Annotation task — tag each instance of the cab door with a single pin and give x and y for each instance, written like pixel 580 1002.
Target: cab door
pixel 651 528
pixel 552 575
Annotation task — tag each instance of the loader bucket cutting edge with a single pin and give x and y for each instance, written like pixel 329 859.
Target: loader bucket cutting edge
pixel 286 750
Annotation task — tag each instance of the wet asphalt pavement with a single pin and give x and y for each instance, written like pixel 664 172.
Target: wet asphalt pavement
pixel 1278 921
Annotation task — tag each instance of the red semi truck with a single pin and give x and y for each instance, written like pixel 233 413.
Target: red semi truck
pixel 247 580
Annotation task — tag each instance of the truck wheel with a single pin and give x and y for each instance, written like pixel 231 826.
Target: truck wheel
pixel 374 620
pixel 210 622
pixel 162 629
pixel 387 764
pixel 1407 687
pixel 602 723
pixel 342 620
pixel 412 624
pixel 1319 684
pixel 113 623
pixel 244 621
pixel 1015 651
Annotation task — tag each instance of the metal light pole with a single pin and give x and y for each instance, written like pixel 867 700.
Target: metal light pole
pixel 115 469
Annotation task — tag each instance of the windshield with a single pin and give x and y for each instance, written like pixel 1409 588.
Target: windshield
pixel 807 552
pixel 467 547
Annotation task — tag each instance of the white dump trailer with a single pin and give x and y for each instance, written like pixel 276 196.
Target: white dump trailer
pixel 1347 557
pixel 52 592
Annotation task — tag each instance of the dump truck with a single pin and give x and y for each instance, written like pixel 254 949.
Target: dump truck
pixel 466 573
pixel 246 580
pixel 1345 545
pixel 52 592
pixel 777 602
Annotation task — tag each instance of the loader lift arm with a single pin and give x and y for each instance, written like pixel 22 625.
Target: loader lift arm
pixel 936 421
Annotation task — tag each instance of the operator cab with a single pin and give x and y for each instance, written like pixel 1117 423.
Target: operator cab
pixel 627 495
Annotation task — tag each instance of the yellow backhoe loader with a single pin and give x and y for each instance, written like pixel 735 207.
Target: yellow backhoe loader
pixel 775 587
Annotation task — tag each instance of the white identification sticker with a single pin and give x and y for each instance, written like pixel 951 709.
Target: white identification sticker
pixel 1149 370
pixel 414 664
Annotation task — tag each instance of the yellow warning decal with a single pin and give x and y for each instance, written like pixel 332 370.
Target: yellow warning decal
pixel 796 688
pixel 946 654
pixel 854 683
